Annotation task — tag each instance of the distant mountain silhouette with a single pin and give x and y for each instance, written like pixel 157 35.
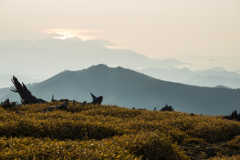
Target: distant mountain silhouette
pixel 168 74
pixel 211 81
pixel 4 92
pixel 128 88
pixel 218 69
pixel 221 86
pixel 208 78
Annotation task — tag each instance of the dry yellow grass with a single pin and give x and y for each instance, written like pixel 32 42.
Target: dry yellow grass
pixel 112 132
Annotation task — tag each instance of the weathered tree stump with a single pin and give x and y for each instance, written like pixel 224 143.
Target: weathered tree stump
pixel 167 108
pixel 97 100
pixel 25 94
pixel 233 116
pixel 7 104
pixel 85 102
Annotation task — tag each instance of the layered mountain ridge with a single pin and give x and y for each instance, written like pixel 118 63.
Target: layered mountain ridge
pixel 129 88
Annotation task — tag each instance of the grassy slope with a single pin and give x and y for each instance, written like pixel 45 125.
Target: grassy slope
pixel 112 132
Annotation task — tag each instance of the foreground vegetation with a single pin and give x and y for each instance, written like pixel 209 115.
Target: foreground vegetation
pixel 112 132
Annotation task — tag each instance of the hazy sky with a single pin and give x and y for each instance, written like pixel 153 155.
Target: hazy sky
pixel 205 33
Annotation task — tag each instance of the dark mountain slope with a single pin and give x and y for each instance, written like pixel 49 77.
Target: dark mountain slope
pixel 128 88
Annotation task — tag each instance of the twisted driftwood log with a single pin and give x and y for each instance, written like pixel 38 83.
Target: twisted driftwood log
pixel 28 98
pixel 25 94
pixel 167 108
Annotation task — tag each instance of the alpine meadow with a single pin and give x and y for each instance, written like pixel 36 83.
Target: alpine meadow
pixel 113 132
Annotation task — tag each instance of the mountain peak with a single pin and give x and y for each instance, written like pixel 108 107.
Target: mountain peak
pixel 99 66
pixel 218 69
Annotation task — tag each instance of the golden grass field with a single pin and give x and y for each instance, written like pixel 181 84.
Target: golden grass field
pixel 112 132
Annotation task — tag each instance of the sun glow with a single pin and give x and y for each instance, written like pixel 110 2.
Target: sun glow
pixel 70 33
pixel 64 36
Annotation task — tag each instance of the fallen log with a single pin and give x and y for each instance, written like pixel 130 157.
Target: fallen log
pixel 25 94
pixel 63 106
pixel 96 100
pixel 61 100
pixel 167 108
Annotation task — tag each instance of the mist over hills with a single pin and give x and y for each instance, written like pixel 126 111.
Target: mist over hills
pixel 50 54
pixel 128 88
pixel 211 81
pixel 48 57
pixel 6 82
pixel 208 78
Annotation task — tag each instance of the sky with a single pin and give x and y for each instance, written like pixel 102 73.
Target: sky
pixel 205 33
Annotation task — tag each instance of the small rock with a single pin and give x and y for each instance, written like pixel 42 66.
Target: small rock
pixel 225 145
pixel 189 153
pixel 210 152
